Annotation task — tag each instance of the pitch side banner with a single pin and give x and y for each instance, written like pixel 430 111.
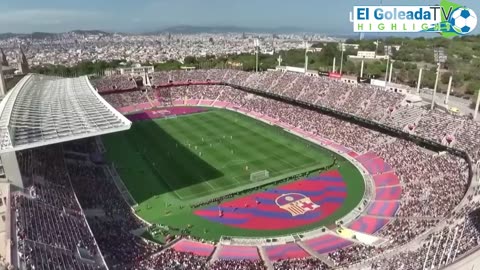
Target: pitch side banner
pixel 363 80
pixel 323 73
pixel 334 75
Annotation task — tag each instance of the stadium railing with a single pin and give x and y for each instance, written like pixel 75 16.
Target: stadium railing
pixel 100 145
pixel 99 252
pixel 121 186
pixel 266 241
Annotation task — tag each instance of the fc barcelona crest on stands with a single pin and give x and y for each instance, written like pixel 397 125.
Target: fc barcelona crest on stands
pixel 296 204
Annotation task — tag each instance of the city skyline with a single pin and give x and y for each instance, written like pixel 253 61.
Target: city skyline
pixel 26 16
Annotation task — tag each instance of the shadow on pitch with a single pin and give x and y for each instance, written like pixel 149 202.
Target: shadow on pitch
pixel 175 166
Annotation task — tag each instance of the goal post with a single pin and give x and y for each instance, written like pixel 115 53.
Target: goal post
pixel 259 175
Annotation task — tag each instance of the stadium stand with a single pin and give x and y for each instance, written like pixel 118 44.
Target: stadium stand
pixel 42 227
pixel 425 193
pixel 194 247
pixel 238 253
pixel 327 243
pixel 368 224
pixel 297 264
pixel 413 165
pixel 286 252
pixel 115 83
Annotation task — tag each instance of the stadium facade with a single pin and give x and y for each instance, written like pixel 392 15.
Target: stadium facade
pixel 42 110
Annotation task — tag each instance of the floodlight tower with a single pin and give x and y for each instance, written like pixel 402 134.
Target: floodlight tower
pixel 435 87
pixel 341 59
pixel 3 88
pixel 391 70
pixel 477 105
pixel 386 70
pixel 448 89
pixel 361 68
pixel 256 44
pixel 279 60
pixel 419 82
pixel 307 50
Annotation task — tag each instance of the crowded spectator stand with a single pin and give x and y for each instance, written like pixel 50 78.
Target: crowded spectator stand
pixel 64 187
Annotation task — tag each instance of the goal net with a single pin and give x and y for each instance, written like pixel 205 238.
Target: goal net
pixel 260 175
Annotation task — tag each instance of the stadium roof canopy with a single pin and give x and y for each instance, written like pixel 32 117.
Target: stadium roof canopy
pixel 42 110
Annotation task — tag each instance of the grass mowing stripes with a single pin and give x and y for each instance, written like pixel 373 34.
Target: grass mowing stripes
pixel 166 163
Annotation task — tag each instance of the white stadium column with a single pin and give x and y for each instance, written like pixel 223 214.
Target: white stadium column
pixel 386 72
pixel 435 87
pixel 333 69
pixel 448 90
pixel 476 106
pixel 419 82
pixel 306 63
pixel 361 69
pixel 391 70
pixel 11 169
pixel 3 88
pixel 341 62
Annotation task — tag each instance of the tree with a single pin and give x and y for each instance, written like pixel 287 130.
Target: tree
pixel 367 45
pixel 402 75
pixel 350 67
pixel 381 49
pixel 428 79
pixel 169 65
pixel 476 63
pixel 375 69
pixel 330 51
pixel 410 66
pixel 428 56
pixel 398 64
pixel 465 55
pixel 412 75
pixel 472 87
pixel 445 77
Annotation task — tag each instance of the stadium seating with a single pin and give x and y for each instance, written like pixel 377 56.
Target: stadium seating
pixel 50 226
pixel 194 247
pixel 327 243
pixel 383 208
pixel 286 252
pixel 376 166
pixel 308 263
pixel 368 224
pixel 115 83
pixel 386 179
pixel 238 253
pixel 388 193
pixel 421 187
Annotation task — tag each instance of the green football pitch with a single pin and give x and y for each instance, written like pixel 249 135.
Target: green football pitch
pixel 168 164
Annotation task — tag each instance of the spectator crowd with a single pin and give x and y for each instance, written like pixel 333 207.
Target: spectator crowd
pixel 53 231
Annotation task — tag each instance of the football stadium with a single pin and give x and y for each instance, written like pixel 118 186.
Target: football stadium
pixel 227 169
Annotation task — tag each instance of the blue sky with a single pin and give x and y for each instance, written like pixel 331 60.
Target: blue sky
pixel 146 15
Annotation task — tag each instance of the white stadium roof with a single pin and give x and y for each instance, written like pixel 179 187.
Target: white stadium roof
pixel 42 110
